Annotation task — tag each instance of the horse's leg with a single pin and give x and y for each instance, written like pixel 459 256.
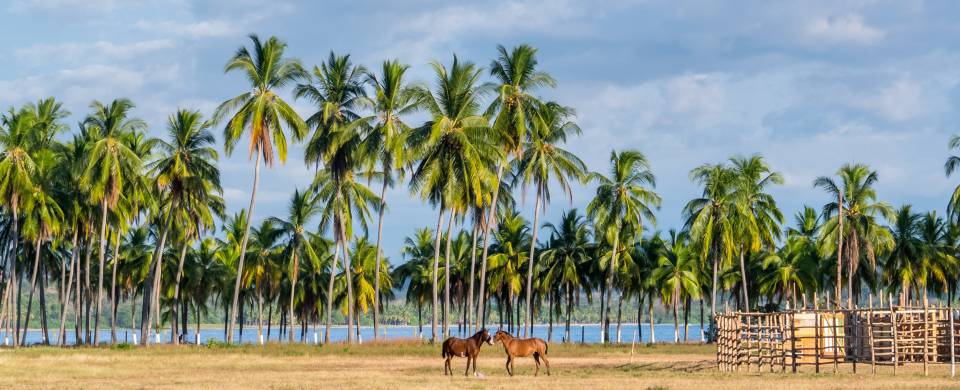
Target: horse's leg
pixel 508 366
pixel 467 370
pixel 546 363
pixel 512 368
pixel 446 367
pixel 536 359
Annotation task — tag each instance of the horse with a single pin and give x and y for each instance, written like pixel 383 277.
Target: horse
pixel 468 348
pixel 523 348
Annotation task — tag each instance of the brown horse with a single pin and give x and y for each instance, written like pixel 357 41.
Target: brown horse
pixel 468 348
pixel 523 348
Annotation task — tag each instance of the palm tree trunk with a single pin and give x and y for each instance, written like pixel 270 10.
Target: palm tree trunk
pixel 446 278
pixel 259 315
pixel 489 222
pixel 33 287
pixel 113 288
pixel 146 311
pixel 619 314
pixel 528 315
pixel 566 331
pixel 653 333
pixel 686 319
pixel 13 280
pixel 713 286
pixel 376 271
pixel 243 246
pixel 605 304
pixel 43 305
pixel 676 320
pixel 743 280
pixel 349 280
pixel 839 248
pixel 174 334
pixel 294 272
pixel 549 318
pixel 333 276
pixel 473 264
pixel 639 316
pixel 436 266
pixel 62 332
pixel 102 254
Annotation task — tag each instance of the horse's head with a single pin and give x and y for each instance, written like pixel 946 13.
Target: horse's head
pixel 501 336
pixel 485 337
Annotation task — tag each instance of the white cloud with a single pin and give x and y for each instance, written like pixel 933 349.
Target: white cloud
pixel 901 100
pixel 97 51
pixel 843 29
pixel 200 29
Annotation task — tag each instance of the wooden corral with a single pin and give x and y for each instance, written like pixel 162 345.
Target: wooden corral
pixel 825 339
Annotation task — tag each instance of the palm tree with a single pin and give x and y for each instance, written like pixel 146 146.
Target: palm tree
pixel 418 250
pixel 263 114
pixel 758 220
pixel 676 274
pixel 111 163
pixel 855 225
pixel 303 207
pixel 518 76
pixel 953 162
pixel 710 218
pixel 455 153
pixel 337 93
pixel 345 201
pixel 507 261
pixel 566 259
pixel 623 200
pixel 541 160
pixel 393 98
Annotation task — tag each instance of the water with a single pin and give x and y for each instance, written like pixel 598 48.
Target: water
pixel 589 333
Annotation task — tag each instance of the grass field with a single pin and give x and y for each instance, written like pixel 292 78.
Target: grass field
pixel 412 365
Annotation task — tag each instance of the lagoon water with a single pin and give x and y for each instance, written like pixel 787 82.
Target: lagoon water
pixel 588 333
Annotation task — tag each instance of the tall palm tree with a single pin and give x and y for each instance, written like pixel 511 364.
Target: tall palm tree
pixel 542 160
pixel 455 154
pixel 953 162
pixel 42 219
pixel 346 201
pixel 758 222
pixel 518 77
pixel 862 235
pixel 393 98
pixel 303 208
pixel 263 114
pixel 111 163
pixel 676 274
pixel 623 200
pixel 566 259
pixel 710 219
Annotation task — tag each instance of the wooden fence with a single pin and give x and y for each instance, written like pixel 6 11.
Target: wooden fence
pixel 825 339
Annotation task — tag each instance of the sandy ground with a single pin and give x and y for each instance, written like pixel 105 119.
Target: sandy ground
pixel 416 367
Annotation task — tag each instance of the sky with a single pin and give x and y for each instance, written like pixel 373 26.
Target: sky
pixel 809 85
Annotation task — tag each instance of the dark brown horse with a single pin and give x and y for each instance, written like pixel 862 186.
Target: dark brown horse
pixel 468 348
pixel 523 348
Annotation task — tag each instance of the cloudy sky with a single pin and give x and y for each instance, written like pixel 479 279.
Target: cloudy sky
pixel 810 85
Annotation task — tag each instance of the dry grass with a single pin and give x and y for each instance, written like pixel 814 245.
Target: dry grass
pixel 411 365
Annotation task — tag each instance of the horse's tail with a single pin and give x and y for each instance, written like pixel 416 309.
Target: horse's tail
pixel 546 348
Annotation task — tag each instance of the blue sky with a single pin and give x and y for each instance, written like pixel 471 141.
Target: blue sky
pixel 810 85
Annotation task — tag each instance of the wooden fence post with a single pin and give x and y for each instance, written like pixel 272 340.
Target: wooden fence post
pixel 926 338
pixel 793 342
pixel 873 352
pixel 953 341
pixel 836 346
pixel 894 329
pixel 816 339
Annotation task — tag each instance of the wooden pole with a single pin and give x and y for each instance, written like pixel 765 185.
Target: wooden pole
pixel 816 340
pixel 793 343
pixel 855 337
pixel 953 341
pixel 836 346
pixel 781 318
pixel 894 331
pixel 926 338
pixel 873 352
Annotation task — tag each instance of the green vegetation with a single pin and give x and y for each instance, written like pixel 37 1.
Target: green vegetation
pixel 93 219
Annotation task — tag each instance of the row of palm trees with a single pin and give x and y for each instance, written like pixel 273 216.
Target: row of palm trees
pixel 149 209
